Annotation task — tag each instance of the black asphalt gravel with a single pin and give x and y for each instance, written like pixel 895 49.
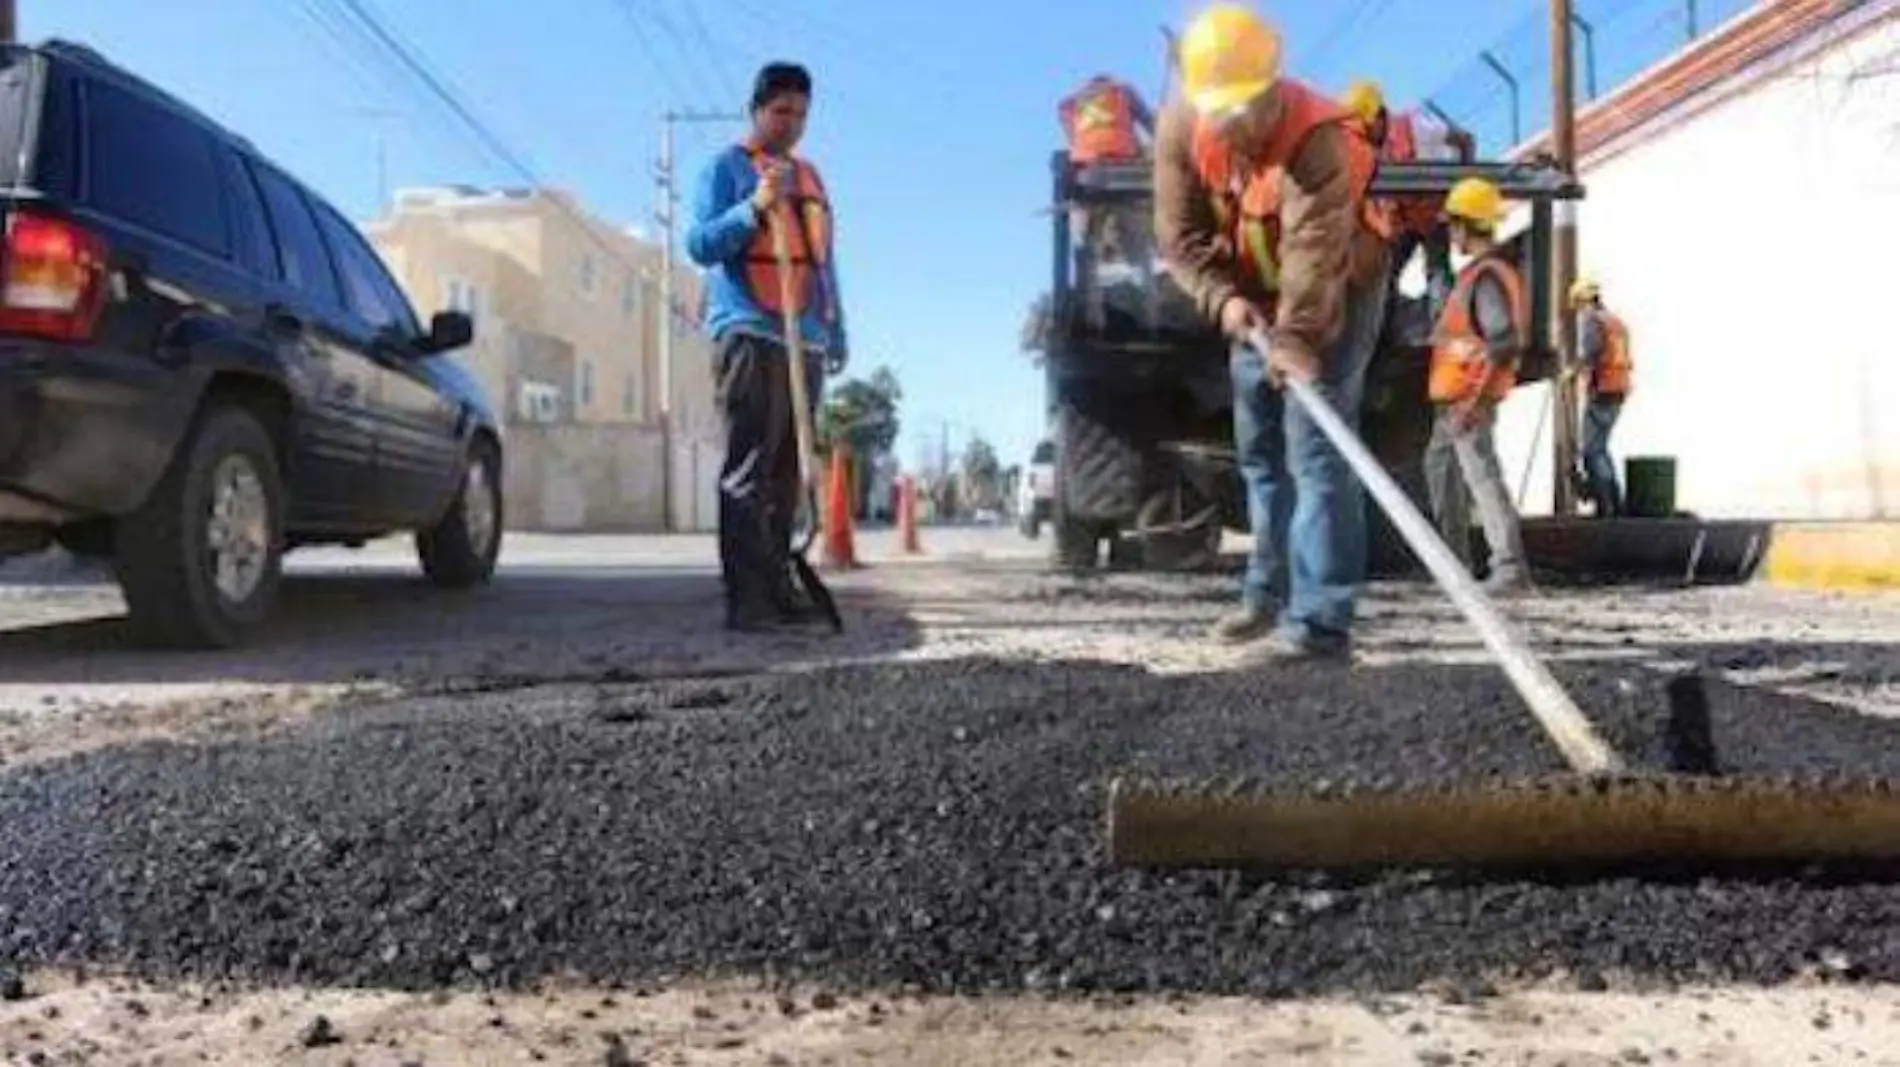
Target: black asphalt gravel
pixel 931 824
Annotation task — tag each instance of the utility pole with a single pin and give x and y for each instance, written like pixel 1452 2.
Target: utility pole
pixel 667 211
pixel 9 22
pixel 1563 139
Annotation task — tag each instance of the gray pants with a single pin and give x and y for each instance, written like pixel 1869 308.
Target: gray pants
pixel 1474 454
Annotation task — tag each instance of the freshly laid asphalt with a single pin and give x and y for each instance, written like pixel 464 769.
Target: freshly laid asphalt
pixel 933 824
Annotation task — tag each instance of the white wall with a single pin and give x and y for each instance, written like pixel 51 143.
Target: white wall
pixel 1752 247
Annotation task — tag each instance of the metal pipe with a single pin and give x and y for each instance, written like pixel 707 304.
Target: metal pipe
pixel 1589 55
pixel 1510 82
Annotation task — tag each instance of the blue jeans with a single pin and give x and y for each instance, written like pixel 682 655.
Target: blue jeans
pixel 1599 418
pixel 1305 505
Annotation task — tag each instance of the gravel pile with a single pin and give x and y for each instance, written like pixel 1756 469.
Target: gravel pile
pixel 935 824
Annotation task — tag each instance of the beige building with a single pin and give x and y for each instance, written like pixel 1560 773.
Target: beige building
pixel 567 319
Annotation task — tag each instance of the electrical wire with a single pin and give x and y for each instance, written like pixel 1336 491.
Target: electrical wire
pixel 411 59
pixel 663 67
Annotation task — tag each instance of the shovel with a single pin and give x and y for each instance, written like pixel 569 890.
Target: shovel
pixel 813 585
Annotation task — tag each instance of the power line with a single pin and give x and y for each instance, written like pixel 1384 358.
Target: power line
pixel 660 66
pixel 445 92
pixel 714 50
pixel 714 75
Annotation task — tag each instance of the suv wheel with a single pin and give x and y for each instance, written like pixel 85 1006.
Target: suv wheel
pixel 201 560
pixel 460 550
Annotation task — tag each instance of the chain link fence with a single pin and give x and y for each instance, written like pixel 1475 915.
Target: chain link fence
pixel 1502 94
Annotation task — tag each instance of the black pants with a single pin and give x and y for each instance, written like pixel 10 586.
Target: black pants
pixel 758 483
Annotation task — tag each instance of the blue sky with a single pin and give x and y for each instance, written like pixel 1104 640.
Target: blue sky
pixel 933 122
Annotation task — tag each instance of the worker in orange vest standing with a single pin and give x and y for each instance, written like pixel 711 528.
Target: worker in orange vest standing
pixel 1476 344
pixel 1104 121
pixel 1604 343
pixel 1416 218
pixel 742 193
pixel 1262 212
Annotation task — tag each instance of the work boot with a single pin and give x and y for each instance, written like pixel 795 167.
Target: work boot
pixel 791 605
pixel 1507 584
pixel 1250 623
pixel 750 615
pixel 1294 643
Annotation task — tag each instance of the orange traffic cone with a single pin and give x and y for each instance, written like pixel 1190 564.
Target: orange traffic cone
pixel 907 517
pixel 841 551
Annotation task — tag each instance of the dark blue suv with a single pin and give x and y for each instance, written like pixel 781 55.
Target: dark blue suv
pixel 202 364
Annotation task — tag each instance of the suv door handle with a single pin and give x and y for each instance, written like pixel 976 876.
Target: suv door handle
pixel 283 321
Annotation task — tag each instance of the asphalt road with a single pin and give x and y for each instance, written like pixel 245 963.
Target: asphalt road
pixel 575 774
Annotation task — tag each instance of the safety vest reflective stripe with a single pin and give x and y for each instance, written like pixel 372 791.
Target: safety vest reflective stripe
pixel 808 244
pixel 1459 354
pixel 1247 201
pixel 1614 367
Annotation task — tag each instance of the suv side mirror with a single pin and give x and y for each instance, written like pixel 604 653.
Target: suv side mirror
pixel 447 330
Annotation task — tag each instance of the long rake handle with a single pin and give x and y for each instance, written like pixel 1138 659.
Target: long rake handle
pixel 1556 712
pixel 794 346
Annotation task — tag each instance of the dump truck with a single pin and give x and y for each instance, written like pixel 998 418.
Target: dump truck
pixel 1138 397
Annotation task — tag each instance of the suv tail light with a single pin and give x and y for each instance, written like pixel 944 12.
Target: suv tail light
pixel 52 278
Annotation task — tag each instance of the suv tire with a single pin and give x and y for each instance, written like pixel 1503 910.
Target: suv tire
pixel 460 550
pixel 223 488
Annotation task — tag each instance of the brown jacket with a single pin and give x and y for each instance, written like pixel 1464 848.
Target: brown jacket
pixel 1322 245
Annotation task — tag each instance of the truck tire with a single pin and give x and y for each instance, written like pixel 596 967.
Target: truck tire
pixel 201 560
pixel 1077 544
pixel 460 550
pixel 1098 474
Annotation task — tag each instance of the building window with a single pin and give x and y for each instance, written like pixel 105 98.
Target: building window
pixel 586 387
pixel 464 297
pixel 587 274
pixel 626 395
pixel 630 296
pixel 538 402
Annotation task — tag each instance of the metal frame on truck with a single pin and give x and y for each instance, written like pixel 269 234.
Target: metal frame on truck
pixel 1141 410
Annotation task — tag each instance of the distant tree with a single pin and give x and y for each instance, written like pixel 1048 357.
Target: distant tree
pixel 982 474
pixel 863 412
pixel 1036 323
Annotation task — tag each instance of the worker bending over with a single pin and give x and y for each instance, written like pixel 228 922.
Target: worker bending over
pixel 1261 212
pixel 1604 343
pixel 1104 120
pixel 1395 138
pixel 741 194
pixel 1476 345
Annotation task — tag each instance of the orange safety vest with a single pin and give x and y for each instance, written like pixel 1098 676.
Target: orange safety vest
pixel 1614 367
pixel 1247 202
pixel 1458 350
pixel 1100 121
pixel 808 243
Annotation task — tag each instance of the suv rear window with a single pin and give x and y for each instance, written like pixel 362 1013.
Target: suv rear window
pixel 151 167
pixel 15 79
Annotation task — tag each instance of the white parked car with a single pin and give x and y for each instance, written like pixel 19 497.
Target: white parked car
pixel 1036 492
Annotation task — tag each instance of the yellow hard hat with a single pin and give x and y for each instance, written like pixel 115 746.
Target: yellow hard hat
pixel 1229 56
pixel 1476 200
pixel 1584 289
pixel 1364 99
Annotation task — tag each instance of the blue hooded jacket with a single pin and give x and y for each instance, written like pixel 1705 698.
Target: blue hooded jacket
pixel 723 228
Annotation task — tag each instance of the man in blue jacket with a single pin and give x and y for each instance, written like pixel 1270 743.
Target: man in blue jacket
pixel 741 194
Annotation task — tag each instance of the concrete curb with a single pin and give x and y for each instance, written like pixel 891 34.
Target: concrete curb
pixel 1835 556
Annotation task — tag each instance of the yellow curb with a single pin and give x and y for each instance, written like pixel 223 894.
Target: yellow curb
pixel 1844 556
